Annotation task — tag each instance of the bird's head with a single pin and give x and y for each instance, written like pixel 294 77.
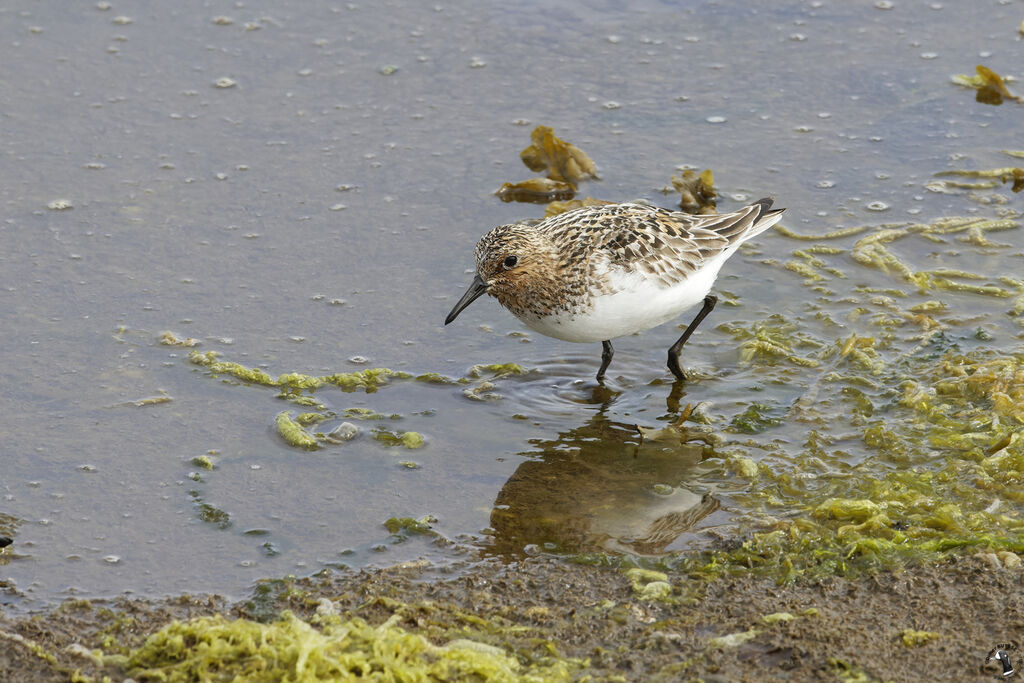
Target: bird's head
pixel 513 263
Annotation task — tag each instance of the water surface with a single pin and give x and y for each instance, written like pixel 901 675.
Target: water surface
pixel 318 214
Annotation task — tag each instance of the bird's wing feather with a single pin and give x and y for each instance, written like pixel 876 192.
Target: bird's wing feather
pixel 666 246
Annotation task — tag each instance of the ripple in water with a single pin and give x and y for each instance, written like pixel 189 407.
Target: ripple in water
pixel 561 391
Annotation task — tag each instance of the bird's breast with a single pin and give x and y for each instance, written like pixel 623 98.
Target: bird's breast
pixel 642 305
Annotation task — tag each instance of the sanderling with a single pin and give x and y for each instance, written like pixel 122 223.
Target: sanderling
pixel 601 272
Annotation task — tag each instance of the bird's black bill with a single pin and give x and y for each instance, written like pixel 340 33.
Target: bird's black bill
pixel 477 289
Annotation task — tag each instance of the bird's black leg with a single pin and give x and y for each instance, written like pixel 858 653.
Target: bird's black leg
pixel 673 353
pixel 606 358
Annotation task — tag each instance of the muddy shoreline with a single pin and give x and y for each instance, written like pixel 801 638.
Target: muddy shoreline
pixel 938 621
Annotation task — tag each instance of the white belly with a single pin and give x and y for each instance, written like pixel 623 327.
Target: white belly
pixel 640 305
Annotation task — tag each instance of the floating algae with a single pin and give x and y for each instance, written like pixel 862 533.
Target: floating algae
pixel 1012 174
pixel 213 515
pixel 438 378
pixel 536 191
pixel 368 380
pixel 210 514
pixel 410 440
pixel 294 433
pixel 958 451
pixel 216 648
pixel 771 338
pixel 297 382
pixel 696 190
pixel 861 352
pixel 203 461
pixel 170 339
pixel 405 527
pixel 808 267
pixel 496 370
pixel 293 382
pixel 756 419
pixel 298 388
pixel 217 367
pixel 149 401
pixel 916 423
pixel 990 86
pixel 360 413
pixel 561 160
pixel 832 235
pixel 872 251
pixel 564 163
pixel 309 419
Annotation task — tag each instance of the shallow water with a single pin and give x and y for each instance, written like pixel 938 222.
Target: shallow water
pixel 324 208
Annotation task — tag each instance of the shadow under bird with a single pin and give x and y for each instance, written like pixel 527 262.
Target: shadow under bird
pixel 601 272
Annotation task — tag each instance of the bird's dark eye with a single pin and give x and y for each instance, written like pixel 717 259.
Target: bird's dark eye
pixel 510 261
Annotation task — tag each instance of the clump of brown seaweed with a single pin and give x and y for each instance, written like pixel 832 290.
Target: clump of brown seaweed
pixel 564 164
pixel 696 191
pixel 991 86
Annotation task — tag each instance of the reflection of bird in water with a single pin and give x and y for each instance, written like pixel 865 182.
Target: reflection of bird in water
pixel 659 533
pixel 598 489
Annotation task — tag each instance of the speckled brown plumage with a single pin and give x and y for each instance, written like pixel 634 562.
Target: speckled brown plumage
pixel 570 250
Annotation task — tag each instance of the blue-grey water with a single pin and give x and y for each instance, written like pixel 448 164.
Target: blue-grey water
pixel 299 187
